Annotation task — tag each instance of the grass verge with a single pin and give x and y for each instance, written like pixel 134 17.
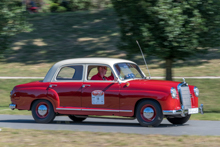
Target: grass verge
pixel 7 110
pixel 23 138
pixel 206 116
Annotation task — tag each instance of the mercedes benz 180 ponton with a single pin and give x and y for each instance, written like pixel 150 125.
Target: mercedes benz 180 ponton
pixel 85 87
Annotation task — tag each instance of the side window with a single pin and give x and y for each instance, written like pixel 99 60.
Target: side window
pixel 70 73
pixel 93 71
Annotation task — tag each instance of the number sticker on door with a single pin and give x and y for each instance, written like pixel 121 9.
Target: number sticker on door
pixel 98 97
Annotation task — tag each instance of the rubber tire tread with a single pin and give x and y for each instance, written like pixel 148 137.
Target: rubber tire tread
pixel 158 118
pixel 76 119
pixel 179 120
pixel 51 113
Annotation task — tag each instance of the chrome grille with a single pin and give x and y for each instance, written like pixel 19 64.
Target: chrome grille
pixel 185 96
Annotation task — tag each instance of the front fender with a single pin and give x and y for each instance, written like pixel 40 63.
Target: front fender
pixel 129 99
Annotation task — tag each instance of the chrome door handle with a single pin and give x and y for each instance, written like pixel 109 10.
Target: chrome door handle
pixel 85 85
pixel 52 85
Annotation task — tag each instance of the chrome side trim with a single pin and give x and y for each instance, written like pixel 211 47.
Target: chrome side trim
pixel 100 110
pixel 107 110
pixel 68 109
pixel 125 110
pixel 12 106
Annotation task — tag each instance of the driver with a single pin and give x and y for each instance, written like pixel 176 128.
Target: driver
pixel 101 73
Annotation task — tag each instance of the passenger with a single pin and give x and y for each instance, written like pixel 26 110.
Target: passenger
pixel 101 73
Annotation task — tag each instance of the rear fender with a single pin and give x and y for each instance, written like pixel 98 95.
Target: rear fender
pixel 24 97
pixel 53 96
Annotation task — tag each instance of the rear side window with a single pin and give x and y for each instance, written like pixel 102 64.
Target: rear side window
pixel 70 73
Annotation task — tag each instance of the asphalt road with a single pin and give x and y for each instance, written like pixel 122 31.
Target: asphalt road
pixel 192 127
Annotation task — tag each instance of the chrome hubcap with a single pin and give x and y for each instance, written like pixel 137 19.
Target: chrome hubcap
pixel 148 113
pixel 42 110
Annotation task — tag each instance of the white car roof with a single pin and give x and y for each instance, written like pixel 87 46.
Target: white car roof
pixel 108 61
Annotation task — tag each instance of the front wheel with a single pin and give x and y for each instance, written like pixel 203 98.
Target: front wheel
pixel 42 111
pixel 149 113
pixel 181 120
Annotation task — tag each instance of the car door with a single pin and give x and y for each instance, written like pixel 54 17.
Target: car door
pixel 99 95
pixel 68 85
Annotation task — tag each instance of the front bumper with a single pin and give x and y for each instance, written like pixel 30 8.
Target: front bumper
pixel 12 106
pixel 182 112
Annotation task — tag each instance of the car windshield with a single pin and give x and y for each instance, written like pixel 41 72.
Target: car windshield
pixel 128 71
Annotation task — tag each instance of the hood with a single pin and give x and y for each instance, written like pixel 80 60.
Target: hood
pixel 156 82
pixel 146 84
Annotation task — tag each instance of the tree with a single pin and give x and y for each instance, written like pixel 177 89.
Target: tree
pixel 168 29
pixel 12 21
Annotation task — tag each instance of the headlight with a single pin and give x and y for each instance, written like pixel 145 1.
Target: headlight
pixel 173 92
pixel 196 91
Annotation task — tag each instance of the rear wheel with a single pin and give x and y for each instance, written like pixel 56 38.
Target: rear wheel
pixel 42 111
pixel 181 120
pixel 76 119
pixel 149 113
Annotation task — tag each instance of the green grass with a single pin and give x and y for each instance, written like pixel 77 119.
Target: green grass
pixel 7 110
pixel 206 116
pixel 59 36
pixel 209 96
pixel 46 138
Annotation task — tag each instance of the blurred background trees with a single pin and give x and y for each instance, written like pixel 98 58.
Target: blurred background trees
pixel 12 21
pixel 74 5
pixel 168 29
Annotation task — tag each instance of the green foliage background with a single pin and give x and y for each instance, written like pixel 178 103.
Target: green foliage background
pixel 75 5
pixel 12 21
pixel 168 29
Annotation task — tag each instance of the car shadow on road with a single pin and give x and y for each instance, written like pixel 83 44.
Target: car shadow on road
pixel 121 124
pixel 90 123
pixel 18 121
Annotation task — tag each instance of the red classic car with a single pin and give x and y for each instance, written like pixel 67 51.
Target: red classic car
pixel 86 87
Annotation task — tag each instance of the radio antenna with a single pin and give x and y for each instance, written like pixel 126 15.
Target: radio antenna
pixel 144 59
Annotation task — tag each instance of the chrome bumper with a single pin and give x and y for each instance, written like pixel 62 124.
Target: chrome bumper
pixel 181 112
pixel 12 106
